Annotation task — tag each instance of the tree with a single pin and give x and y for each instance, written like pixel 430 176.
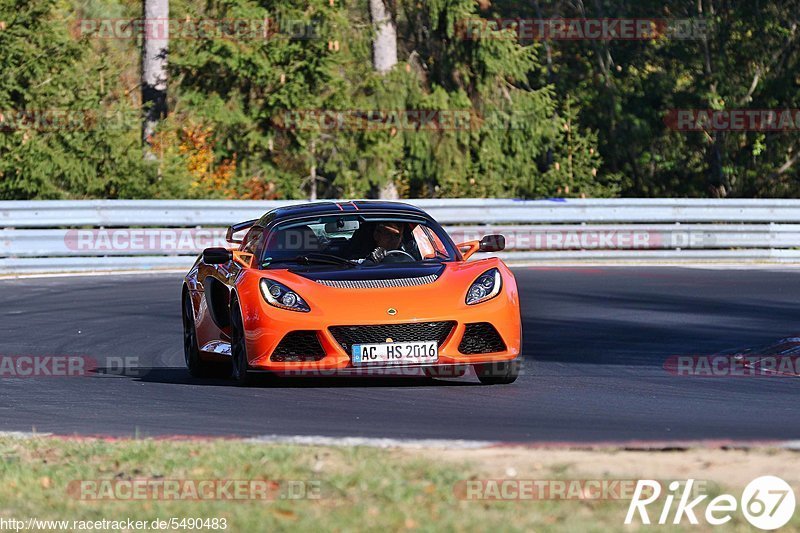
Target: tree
pixel 67 129
pixel 384 44
pixel 735 55
pixel 384 53
pixel 154 69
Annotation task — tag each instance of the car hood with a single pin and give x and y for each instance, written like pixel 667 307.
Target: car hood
pixel 371 273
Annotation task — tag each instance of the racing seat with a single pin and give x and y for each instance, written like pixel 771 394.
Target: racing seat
pixel 299 240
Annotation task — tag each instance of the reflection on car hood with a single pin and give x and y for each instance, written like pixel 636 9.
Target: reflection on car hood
pixel 332 274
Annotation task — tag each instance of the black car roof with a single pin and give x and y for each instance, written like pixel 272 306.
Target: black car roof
pixel 330 207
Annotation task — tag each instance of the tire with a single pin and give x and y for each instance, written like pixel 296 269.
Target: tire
pixel 191 352
pixel 239 360
pixel 502 373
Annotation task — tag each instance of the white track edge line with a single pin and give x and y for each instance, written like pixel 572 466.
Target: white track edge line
pixel 450 444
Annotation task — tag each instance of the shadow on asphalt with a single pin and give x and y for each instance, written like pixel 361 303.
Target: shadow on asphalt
pixel 180 376
pixel 639 318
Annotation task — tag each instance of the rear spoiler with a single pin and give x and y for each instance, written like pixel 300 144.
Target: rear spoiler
pixel 236 228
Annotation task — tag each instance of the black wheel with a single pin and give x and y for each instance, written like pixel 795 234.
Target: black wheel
pixel 191 352
pixel 239 361
pixel 502 373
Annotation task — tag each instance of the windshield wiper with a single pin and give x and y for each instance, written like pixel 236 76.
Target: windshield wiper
pixel 308 259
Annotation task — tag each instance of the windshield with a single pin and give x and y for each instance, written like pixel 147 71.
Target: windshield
pixel 356 240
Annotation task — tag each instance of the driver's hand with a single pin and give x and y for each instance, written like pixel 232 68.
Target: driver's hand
pixel 377 255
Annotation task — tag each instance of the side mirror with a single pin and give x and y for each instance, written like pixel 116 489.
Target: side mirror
pixel 216 256
pixel 492 243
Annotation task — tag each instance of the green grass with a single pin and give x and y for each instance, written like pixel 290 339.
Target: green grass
pixel 363 489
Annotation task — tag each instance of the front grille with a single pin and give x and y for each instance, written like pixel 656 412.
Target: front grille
pixel 379 283
pixel 298 346
pixel 481 337
pixel 347 336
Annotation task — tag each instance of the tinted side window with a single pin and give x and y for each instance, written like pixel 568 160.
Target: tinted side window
pixel 252 239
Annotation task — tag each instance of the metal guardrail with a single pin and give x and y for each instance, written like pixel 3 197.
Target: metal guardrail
pixel 140 234
pixel 122 213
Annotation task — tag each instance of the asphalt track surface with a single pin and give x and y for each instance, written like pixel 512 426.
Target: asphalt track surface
pixel 596 340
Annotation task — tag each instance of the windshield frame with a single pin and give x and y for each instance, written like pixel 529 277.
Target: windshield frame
pixel 371 216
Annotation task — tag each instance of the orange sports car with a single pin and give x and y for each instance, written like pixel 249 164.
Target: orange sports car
pixel 350 287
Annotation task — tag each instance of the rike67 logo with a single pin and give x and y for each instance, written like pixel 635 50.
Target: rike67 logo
pixel 767 502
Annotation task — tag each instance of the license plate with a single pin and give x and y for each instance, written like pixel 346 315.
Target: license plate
pixel 396 353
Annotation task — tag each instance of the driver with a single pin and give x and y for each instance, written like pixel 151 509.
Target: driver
pixel 388 236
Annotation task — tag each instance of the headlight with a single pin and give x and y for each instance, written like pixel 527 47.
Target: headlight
pixel 282 296
pixel 486 287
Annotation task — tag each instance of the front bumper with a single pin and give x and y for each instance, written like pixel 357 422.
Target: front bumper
pixel 335 356
pixel 266 327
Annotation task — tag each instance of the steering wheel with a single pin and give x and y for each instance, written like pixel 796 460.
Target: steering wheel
pixel 400 256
